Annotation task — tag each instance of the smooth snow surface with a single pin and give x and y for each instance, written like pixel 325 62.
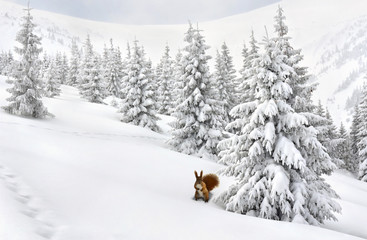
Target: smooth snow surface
pixel 84 175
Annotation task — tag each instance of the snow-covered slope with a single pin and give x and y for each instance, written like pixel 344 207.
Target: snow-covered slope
pixel 86 175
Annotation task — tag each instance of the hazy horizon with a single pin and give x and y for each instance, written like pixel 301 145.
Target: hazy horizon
pixel 147 12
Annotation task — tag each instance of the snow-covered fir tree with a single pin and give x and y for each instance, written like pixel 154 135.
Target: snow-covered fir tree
pixel 124 73
pixel 45 63
pixel 362 134
pixel 225 84
pixel 177 85
pixel 64 69
pixel 58 65
pixel 353 164
pixel 85 74
pixel 302 103
pixel 95 90
pixel 332 140
pixel 165 82
pixel 153 80
pixel 25 99
pixel 105 55
pixel 6 63
pixel 74 67
pixel 327 133
pixel 319 109
pixel 230 83
pixel 3 62
pixel 276 156
pixel 244 92
pixel 344 149
pixel 112 71
pixel 52 81
pixel 138 106
pixel 194 130
pixel 342 131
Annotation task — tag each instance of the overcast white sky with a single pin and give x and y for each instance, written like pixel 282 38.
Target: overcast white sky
pixel 148 11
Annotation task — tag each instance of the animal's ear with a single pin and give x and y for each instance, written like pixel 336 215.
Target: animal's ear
pixel 201 174
pixel 196 174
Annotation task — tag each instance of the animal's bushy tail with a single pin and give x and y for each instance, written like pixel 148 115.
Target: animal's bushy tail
pixel 211 181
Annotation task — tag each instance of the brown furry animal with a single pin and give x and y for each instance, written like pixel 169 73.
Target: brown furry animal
pixel 203 185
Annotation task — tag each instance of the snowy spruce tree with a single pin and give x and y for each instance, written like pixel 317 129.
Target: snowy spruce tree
pixel 224 77
pixel 138 106
pixel 95 90
pixel 194 130
pixel 85 75
pixel 52 81
pixel 327 133
pixel 165 82
pixel 124 73
pixel 229 83
pixel 74 67
pixel 345 149
pixel 112 72
pixel 59 69
pixel 45 63
pixel 6 63
pixel 353 163
pixel 25 99
pixel 244 92
pixel 276 157
pixel 150 73
pixel 64 69
pixel 177 85
pixel 362 134
pixel 332 140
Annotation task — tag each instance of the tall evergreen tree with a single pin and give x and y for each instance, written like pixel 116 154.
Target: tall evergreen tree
pixel 362 134
pixel 138 106
pixel 222 90
pixel 276 155
pixel 225 82
pixel 95 90
pixel 6 61
pixel 64 69
pixel 194 131
pixel 354 140
pixel 245 92
pixel 230 82
pixel 165 78
pixel 85 76
pixel 345 148
pixel 152 78
pixel 112 72
pixel 74 64
pixel 25 96
pixel 332 140
pixel 58 68
pixel 177 82
pixel 124 73
pixel 52 81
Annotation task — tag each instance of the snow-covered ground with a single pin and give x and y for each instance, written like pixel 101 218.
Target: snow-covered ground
pixel 86 175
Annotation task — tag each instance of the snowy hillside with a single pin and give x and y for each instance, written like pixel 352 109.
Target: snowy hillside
pixel 86 175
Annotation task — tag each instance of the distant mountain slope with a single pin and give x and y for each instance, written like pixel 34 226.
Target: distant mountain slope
pixel 331 34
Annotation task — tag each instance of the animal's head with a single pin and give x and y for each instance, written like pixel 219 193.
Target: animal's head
pixel 199 180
